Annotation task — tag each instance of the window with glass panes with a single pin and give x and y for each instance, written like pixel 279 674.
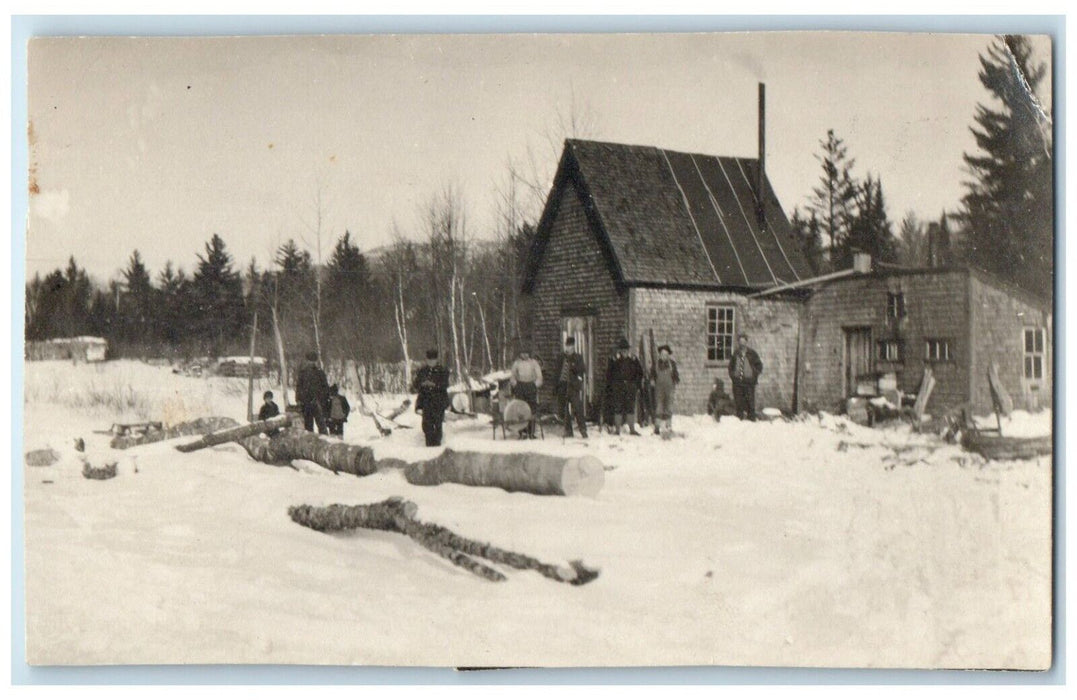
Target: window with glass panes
pixel 1034 353
pixel 719 333
pixel 937 350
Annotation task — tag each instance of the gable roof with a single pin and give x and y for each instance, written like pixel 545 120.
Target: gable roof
pixel 676 219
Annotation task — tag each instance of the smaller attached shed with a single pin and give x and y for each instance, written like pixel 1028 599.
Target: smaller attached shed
pixel 83 348
pixel 957 320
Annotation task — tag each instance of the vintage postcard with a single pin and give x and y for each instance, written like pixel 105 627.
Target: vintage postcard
pixel 541 350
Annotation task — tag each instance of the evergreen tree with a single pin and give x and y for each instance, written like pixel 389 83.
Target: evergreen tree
pixel 808 233
pixel 870 230
pixel 1007 215
pixel 834 198
pixel 175 314
pixel 217 295
pixel 139 302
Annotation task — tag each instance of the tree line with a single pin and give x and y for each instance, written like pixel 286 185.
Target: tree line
pixel 441 285
pixel 1004 223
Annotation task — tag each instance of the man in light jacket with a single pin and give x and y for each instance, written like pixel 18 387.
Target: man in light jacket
pixel 526 379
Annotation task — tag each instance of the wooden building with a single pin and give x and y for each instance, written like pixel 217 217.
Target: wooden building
pixel 957 320
pixel 635 238
pixel 83 348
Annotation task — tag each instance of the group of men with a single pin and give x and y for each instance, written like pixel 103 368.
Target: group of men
pixel 323 405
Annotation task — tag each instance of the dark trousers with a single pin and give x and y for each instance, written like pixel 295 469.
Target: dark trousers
pixel 314 412
pixel 573 399
pixel 432 422
pixel 528 393
pixel 744 400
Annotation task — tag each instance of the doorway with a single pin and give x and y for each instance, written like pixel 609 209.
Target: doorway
pixel 858 358
pixel 582 329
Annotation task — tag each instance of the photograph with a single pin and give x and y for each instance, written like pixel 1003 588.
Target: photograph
pixel 540 350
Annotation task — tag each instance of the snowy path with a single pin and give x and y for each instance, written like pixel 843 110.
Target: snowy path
pixel 762 544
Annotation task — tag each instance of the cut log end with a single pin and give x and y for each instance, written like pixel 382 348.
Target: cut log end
pixel 583 476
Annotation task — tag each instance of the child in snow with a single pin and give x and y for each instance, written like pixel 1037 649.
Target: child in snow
pixel 720 403
pixel 338 411
pixel 269 409
pixel 665 378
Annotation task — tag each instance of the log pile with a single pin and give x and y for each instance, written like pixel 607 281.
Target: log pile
pixel 539 474
pixel 398 515
pixel 200 426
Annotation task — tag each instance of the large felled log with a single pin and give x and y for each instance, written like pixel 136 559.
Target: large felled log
pixel 398 515
pixel 201 426
pixel 237 433
pixel 543 475
pixel 300 444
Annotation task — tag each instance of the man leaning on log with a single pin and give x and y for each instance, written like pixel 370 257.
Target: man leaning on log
pixel 431 383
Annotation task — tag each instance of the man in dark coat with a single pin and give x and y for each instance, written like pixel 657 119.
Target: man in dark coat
pixel 623 376
pixel 744 369
pixel 570 373
pixel 312 393
pixel 431 383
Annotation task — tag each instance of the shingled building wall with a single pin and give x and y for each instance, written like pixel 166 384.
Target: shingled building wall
pixel 679 319
pixel 574 280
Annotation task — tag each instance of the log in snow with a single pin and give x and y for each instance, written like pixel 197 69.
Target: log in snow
pixel 542 475
pixel 200 426
pixel 300 444
pixel 239 432
pixel 398 515
pixel 100 473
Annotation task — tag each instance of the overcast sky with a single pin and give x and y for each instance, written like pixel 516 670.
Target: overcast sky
pixel 156 144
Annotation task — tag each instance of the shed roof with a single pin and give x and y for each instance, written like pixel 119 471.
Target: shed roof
pixel 676 219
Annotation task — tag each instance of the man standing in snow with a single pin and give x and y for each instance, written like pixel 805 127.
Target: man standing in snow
pixel 744 369
pixel 431 383
pixel 312 393
pixel 571 370
pixel 665 378
pixel 526 379
pixel 623 375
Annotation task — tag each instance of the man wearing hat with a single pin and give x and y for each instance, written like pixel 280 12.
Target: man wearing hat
pixel 570 373
pixel 431 383
pixel 744 369
pixel 312 393
pixel 665 378
pixel 623 375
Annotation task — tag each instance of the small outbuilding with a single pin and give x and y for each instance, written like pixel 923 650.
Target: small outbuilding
pixel 83 348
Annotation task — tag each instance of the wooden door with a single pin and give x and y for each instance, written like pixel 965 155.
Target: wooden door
pixel 858 358
pixel 582 329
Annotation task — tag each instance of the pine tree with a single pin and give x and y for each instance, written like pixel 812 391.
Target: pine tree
pixel 870 230
pixel 833 200
pixel 175 306
pixel 138 320
pixel 1007 216
pixel 217 294
pixel 808 233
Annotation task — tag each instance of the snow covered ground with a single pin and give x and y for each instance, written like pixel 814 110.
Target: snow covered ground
pixel 807 543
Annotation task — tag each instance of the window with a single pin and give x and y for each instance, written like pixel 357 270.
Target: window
pixel 719 333
pixel 889 351
pixel 937 350
pixel 895 305
pixel 1034 353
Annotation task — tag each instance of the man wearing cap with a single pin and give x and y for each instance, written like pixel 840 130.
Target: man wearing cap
pixel 744 369
pixel 570 373
pixel 623 375
pixel 665 378
pixel 431 383
pixel 312 393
